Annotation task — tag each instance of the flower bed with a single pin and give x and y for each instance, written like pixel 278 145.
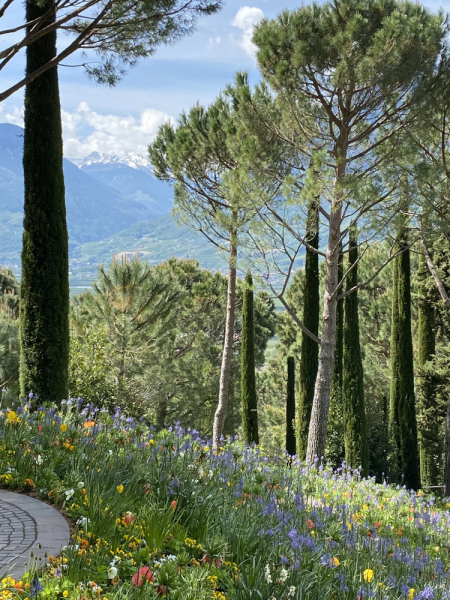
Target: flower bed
pixel 162 516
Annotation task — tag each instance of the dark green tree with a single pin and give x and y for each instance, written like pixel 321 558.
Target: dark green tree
pixel 335 450
pixel 430 436
pixel 311 313
pixel 355 434
pixel 403 403
pixel 44 298
pixel 248 380
pixel 290 407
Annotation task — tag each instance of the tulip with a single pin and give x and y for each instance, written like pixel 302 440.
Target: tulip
pixel 141 576
pixel 129 518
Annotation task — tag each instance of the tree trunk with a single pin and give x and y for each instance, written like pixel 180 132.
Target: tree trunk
pixel 321 404
pixel 290 406
pixel 248 379
pixel 431 444
pixel 44 305
pixel 310 349
pixel 161 413
pixel 227 355
pixel 355 433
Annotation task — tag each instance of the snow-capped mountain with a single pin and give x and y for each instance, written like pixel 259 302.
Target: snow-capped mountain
pixel 132 177
pixel 135 161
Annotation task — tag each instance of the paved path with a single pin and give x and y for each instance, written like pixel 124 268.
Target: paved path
pixel 28 525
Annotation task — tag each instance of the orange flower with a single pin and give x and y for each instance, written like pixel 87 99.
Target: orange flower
pixel 89 424
pixel 309 523
pixel 173 505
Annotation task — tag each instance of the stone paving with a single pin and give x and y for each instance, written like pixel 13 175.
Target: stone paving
pixel 28 526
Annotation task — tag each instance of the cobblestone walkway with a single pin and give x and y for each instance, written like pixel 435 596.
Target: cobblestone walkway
pixel 28 525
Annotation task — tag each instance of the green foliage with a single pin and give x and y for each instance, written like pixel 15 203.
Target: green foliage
pixel 290 407
pixel 248 379
pixel 44 291
pixel 310 349
pixel 355 433
pixel 9 335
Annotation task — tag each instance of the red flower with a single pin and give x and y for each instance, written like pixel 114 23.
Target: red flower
pixel 40 428
pixel 309 523
pixel 173 505
pixel 129 518
pixel 141 576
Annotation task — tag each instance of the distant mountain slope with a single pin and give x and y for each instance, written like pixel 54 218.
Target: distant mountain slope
pixel 94 210
pixel 132 177
pixel 155 240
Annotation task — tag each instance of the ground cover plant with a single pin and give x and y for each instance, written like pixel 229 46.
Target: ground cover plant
pixel 163 516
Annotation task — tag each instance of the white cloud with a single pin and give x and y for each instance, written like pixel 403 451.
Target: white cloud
pixel 110 134
pixel 86 131
pixel 246 18
pixel 11 114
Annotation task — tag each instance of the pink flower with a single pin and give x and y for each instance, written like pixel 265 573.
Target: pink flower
pixel 143 574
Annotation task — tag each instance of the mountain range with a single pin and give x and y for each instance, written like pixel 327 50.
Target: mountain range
pixel 114 205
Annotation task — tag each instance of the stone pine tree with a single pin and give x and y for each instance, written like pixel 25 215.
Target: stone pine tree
pixel 355 434
pixel 248 379
pixel 431 446
pixel 403 404
pixel 290 407
pixel 345 73
pixel 44 302
pixel 311 313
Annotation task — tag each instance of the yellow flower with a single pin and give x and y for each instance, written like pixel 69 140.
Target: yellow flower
pixel 120 488
pixel 63 427
pixel 335 561
pixel 411 593
pixel 368 575
pixel 12 416
pixel 65 593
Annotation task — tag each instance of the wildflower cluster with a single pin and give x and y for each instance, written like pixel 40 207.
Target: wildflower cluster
pixel 163 516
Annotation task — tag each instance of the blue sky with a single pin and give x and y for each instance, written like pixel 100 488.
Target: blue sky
pixel 124 119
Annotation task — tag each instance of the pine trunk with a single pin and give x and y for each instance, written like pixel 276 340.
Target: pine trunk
pixel 44 305
pixel 355 433
pixel 310 349
pixel 407 402
pixel 319 415
pixel 290 407
pixel 431 445
pixel 227 355
pixel 248 379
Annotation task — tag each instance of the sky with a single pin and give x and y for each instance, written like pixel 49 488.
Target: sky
pixel 123 120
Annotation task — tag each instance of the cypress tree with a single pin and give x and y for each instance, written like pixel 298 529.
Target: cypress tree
pixel 309 348
pixel 290 407
pixel 394 427
pixel 355 434
pixel 403 408
pixel 248 382
pixel 335 453
pixel 44 305
pixel 431 446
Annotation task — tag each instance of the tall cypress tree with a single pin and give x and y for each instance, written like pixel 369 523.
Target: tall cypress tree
pixel 44 305
pixel 355 433
pixel 403 404
pixel 290 406
pixel 394 419
pixel 431 444
pixel 248 382
pixel 310 349
pixel 335 443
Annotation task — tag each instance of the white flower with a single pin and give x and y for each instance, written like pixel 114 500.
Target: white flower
pixel 83 521
pixel 69 494
pixel 39 460
pixel 292 590
pixel 110 452
pixel 80 485
pixel 112 572
pixel 283 575
pixel 267 574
